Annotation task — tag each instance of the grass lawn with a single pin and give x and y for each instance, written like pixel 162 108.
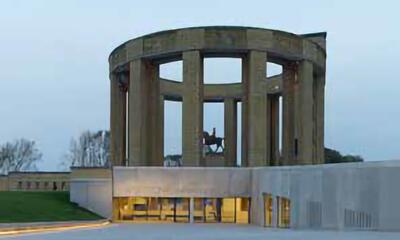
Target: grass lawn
pixel 40 206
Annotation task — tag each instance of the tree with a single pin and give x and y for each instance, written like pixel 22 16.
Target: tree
pixel 91 149
pixel 20 155
pixel 333 156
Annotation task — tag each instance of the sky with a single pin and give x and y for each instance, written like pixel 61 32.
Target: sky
pixel 54 70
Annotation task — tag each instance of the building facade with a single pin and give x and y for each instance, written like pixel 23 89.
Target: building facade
pixel 35 181
pixel 281 180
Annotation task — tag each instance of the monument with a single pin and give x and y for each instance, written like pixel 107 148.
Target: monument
pixel 281 182
pixel 135 81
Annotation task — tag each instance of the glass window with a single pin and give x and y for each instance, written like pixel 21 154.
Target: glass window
pixel 268 210
pixel 228 214
pixel 212 210
pixel 182 209
pixel 199 210
pixel 153 209
pixel 167 209
pixel 283 212
pixel 242 210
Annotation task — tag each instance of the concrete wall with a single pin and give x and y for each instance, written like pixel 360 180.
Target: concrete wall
pixel 92 189
pixel 38 181
pixel 3 183
pixel 336 196
pixel 181 182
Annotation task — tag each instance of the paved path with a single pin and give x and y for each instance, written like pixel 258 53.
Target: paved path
pixel 200 231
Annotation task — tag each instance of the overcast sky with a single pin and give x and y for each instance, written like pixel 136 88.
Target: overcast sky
pixel 54 70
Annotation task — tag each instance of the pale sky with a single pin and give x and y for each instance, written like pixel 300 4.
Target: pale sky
pixel 54 70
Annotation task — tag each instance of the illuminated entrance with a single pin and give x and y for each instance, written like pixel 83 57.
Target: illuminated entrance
pixel 276 208
pixel 205 210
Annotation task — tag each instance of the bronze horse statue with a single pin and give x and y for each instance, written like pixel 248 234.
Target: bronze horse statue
pixel 213 140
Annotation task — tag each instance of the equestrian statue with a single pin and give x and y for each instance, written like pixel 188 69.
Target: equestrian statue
pixel 213 140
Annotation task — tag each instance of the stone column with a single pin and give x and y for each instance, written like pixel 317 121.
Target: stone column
pixel 304 118
pixel 288 118
pixel 230 129
pixel 273 129
pixel 256 108
pixel 319 111
pixel 192 109
pixel 244 134
pixel 155 147
pixel 160 132
pixel 118 119
pixel 143 102
pixel 274 212
pixel 191 210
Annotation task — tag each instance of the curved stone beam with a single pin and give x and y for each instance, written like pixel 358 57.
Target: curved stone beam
pixel 217 41
pixel 172 90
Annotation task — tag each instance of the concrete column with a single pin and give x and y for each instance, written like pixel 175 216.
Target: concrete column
pixel 160 131
pixel 288 117
pixel 274 212
pixel 191 210
pixel 304 120
pixel 256 108
pixel 244 150
pixel 155 147
pixel 115 209
pixel 117 122
pixel 143 114
pixel 273 129
pixel 192 109
pixel 230 126
pixel 319 116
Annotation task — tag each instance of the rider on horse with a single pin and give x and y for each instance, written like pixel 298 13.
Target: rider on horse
pixel 213 140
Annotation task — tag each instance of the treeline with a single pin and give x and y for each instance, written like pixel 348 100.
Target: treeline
pixel 92 149
pixel 333 156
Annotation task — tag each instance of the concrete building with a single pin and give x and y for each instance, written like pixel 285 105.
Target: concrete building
pixel 3 183
pixel 286 187
pixel 35 181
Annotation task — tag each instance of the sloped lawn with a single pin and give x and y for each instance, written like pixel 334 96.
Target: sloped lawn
pixel 40 206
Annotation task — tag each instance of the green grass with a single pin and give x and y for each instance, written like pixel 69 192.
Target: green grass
pixel 40 206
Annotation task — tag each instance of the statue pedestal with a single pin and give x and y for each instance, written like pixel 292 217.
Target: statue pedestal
pixel 214 160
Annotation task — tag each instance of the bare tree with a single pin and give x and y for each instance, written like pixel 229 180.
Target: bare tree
pixel 20 155
pixel 91 149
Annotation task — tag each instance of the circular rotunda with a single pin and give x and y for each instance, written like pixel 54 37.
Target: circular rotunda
pixel 282 116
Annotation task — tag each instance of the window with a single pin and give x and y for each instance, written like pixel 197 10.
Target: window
pixel 210 210
pixel 154 209
pixel 242 210
pixel 283 212
pixel 268 210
